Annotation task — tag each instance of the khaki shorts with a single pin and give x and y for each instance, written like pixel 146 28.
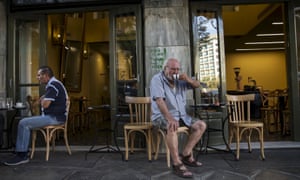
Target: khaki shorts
pixel 162 123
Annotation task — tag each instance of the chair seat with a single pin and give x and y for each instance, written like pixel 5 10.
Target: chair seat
pixel 138 125
pixel 248 124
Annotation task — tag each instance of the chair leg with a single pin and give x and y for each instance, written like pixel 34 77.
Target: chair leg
pixel 47 144
pixel 131 140
pixel 157 144
pixel 52 139
pixel 261 138
pixel 249 140
pixel 67 142
pixel 237 143
pixel 149 140
pixel 126 144
pixel 33 139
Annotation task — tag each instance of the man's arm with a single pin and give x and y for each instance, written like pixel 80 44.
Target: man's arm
pixel 45 103
pixel 192 82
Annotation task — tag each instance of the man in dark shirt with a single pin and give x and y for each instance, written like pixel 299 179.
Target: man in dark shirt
pixel 54 111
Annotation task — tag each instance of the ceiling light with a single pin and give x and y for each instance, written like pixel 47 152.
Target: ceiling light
pixel 271 34
pixel 277 23
pixel 260 49
pixel 268 42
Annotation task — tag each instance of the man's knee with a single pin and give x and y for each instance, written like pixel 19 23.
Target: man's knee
pixel 199 125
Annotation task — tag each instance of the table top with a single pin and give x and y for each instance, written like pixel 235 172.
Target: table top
pixel 208 105
pixel 7 109
pixel 97 107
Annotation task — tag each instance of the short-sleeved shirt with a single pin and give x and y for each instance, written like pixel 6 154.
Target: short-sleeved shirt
pixel 175 98
pixel 57 94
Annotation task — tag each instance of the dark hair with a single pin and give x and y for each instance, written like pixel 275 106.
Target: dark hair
pixel 46 70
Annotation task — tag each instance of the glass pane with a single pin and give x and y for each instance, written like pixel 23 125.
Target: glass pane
pixel 206 49
pixel 297 24
pixel 126 56
pixel 27 56
pixel 73 65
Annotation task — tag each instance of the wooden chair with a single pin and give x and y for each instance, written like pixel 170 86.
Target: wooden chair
pixel 269 109
pixel 49 134
pixel 240 122
pixel 139 108
pixel 161 133
pixel 78 114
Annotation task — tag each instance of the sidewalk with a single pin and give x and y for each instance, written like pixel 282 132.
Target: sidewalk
pixel 280 163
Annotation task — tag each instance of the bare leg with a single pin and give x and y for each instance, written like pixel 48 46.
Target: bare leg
pixel 172 141
pixel 197 130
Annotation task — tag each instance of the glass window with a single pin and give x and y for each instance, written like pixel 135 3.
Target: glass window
pixel 27 58
pixel 206 51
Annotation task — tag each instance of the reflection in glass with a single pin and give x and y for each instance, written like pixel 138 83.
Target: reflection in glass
pixel 206 49
pixel 73 64
pixel 27 57
pixel 126 56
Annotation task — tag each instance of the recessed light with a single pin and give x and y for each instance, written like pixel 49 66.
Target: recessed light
pixel 277 23
pixel 260 49
pixel 267 42
pixel 271 34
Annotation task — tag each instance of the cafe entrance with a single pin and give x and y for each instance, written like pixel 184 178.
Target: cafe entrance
pixel 96 54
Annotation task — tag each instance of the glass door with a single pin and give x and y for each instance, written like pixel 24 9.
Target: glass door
pixel 209 65
pixel 125 72
pixel 27 57
pixel 207 52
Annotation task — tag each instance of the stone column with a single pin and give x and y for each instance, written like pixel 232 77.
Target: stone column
pixel 166 35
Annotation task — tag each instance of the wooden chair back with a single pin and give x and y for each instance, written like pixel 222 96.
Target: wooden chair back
pixel 139 108
pixel 239 107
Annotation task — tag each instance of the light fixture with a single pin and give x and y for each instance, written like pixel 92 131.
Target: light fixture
pixel 85 54
pixel 260 49
pixel 277 23
pixel 270 34
pixel 265 42
pixel 57 34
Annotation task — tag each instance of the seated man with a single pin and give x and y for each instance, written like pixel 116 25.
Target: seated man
pixel 168 93
pixel 54 111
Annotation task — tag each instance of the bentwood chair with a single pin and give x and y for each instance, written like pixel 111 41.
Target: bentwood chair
pixel 49 134
pixel 240 122
pixel 162 134
pixel 269 109
pixel 140 109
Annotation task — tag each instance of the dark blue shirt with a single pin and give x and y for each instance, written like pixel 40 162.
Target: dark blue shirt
pixel 57 94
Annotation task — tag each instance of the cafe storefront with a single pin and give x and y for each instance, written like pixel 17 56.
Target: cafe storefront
pixel 105 50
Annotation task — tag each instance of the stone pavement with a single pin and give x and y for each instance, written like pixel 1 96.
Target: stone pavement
pixel 280 163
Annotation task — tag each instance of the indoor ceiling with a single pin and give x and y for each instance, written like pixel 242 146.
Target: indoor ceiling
pixel 242 23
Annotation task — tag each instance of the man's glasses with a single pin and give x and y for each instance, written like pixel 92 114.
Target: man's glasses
pixel 174 69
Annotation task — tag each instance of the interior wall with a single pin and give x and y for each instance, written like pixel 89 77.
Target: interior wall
pixel 94 68
pixel 267 68
pixel 54 51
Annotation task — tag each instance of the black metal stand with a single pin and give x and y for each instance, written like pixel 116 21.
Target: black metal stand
pixel 206 108
pixel 107 148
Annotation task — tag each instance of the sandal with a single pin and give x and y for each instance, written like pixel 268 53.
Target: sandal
pixel 186 161
pixel 181 171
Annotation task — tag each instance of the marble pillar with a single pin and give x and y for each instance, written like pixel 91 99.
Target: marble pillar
pixel 166 35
